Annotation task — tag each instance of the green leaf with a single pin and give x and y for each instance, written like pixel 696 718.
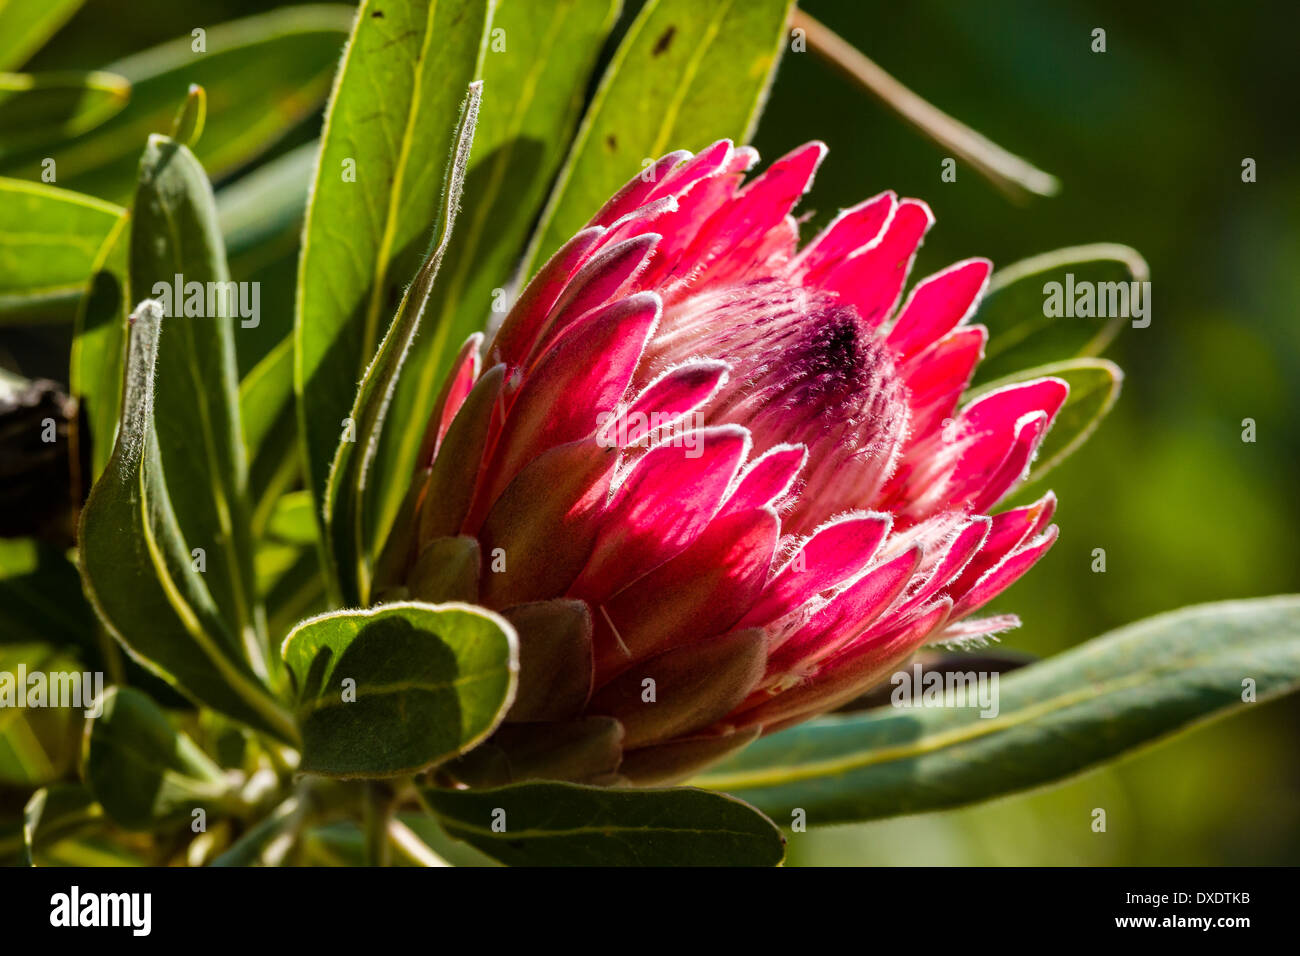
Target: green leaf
pixel 42 109
pixel 176 248
pixel 38 744
pixel 565 824
pixel 686 74
pixel 188 125
pixel 261 844
pixel 142 770
pixel 427 683
pixel 533 101
pixel 25 25
pixel 139 574
pixel 55 813
pixel 389 125
pixel 1055 718
pixel 50 240
pixel 346 511
pixel 262 75
pixel 1021 335
pixel 1094 387
pixel 99 345
pixel 261 213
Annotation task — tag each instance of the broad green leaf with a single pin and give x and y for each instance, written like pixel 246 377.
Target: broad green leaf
pixel 50 240
pixel 139 573
pixel 389 126
pixel 1055 718
pixel 38 742
pixel 1015 310
pixel 55 813
pixel 564 824
pixel 397 689
pixel 346 493
pixel 686 74
pixel 25 25
pixel 1094 387
pixel 99 345
pixel 42 109
pixel 142 770
pixel 177 255
pixel 262 75
pixel 534 94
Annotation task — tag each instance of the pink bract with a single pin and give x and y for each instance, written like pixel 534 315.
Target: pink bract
pixel 699 455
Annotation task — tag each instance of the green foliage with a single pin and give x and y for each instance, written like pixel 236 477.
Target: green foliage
pixel 401 688
pixel 563 824
pixel 1055 718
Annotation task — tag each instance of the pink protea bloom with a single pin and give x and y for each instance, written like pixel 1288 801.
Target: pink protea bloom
pixel 720 483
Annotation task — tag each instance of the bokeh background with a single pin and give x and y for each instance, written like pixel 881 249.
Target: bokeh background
pixel 1148 140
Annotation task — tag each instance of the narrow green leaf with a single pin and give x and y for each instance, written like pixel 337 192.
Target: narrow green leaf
pixel 262 75
pixel 99 345
pixel 388 127
pixel 1094 387
pixel 686 74
pixel 188 125
pixel 43 109
pixel 50 240
pixel 565 824
pixel 346 509
pixel 535 88
pixel 177 255
pixel 25 25
pixel 1017 308
pixel 38 742
pixel 1054 718
pixel 261 846
pixel 397 689
pixel 261 213
pixel 142 770
pixel 139 573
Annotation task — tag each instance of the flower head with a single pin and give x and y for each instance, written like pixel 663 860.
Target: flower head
pixel 720 483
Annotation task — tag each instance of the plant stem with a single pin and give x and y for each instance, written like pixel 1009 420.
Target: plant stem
pixel 1011 174
pixel 377 812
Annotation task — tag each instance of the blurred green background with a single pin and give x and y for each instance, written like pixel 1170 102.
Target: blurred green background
pixel 1148 140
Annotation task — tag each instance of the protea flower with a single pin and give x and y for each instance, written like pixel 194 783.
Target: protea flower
pixel 719 483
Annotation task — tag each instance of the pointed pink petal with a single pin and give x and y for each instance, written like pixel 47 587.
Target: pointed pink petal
pixel 701 592
pixel 545 523
pixel 767 479
pixel 585 373
pixel 836 552
pixel 939 304
pixel 464 371
pixel 664 504
pixel 665 401
pixel 523 325
pixel 996 581
pixel 937 378
pixel 455 471
pixel 873 279
pixel 847 233
pixel 603 278
pixel 847 614
pixel 638 189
